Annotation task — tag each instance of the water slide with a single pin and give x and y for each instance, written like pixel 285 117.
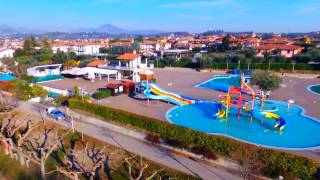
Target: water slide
pixel 280 121
pixel 153 91
pixel 221 112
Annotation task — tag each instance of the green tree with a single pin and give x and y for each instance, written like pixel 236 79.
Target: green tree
pixel 45 53
pixel 266 81
pixel 29 46
pixel 225 43
pixel 139 38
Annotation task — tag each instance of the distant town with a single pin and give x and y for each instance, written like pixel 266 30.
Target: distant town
pixel 108 103
pixel 165 46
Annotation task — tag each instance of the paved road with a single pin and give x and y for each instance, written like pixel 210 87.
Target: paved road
pixel 162 156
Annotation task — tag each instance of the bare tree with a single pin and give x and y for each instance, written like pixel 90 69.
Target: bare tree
pixel 41 147
pixel 13 133
pixel 142 166
pixel 77 163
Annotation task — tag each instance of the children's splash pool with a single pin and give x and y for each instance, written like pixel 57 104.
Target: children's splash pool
pixel 301 132
pixel 222 82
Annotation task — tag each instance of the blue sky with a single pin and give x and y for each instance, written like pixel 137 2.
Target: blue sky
pixel 167 15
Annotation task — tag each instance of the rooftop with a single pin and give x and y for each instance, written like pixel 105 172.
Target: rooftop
pixel 96 63
pixel 128 56
pixel 279 46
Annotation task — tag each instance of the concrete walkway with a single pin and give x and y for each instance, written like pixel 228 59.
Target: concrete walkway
pixel 88 126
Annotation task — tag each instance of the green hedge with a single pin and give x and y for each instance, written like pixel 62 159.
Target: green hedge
pixel 273 66
pixel 102 94
pixel 274 162
pixel 277 163
pixel 220 145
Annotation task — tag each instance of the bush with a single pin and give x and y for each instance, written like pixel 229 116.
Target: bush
pixel 277 163
pixel 61 100
pixel 204 151
pixel 175 143
pixel 7 86
pixel 153 138
pixel 102 94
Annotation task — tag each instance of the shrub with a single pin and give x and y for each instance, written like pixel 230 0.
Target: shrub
pixel 175 143
pixel 61 100
pixel 277 163
pixel 204 151
pixel 102 94
pixel 153 138
pixel 7 86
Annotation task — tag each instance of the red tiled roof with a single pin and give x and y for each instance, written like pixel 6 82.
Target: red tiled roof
pixel 120 43
pixel 95 63
pixel 149 42
pixel 113 85
pixel 279 46
pixel 277 40
pixel 62 44
pixel 128 56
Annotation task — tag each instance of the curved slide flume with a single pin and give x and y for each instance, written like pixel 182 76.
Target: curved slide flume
pixel 280 121
pixel 153 91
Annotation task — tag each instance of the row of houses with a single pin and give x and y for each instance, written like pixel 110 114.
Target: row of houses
pixel 280 45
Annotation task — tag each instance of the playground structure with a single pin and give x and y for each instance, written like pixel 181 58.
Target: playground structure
pixel 237 96
pixel 243 97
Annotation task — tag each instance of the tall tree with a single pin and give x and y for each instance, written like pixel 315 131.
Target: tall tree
pixel 266 81
pixel 225 43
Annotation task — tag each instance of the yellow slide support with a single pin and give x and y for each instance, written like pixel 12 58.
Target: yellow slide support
pixel 220 113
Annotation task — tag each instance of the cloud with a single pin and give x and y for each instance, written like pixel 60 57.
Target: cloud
pixel 197 4
pixel 195 17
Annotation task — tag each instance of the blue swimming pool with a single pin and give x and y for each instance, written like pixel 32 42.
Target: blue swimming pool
pixel 301 132
pixel 223 82
pixel 6 77
pixel 315 89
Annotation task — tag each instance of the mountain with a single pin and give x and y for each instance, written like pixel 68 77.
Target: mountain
pixel 16 30
pixel 107 29
pixel 114 30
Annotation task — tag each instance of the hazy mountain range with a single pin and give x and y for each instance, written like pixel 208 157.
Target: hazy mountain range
pixel 107 28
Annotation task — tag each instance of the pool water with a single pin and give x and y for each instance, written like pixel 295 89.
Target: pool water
pixel 6 77
pixel 315 88
pixel 48 78
pixel 222 82
pixel 300 132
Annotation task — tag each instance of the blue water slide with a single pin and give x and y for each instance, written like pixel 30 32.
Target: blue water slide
pixel 282 122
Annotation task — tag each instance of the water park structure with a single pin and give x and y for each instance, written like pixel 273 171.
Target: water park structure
pixel 241 97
